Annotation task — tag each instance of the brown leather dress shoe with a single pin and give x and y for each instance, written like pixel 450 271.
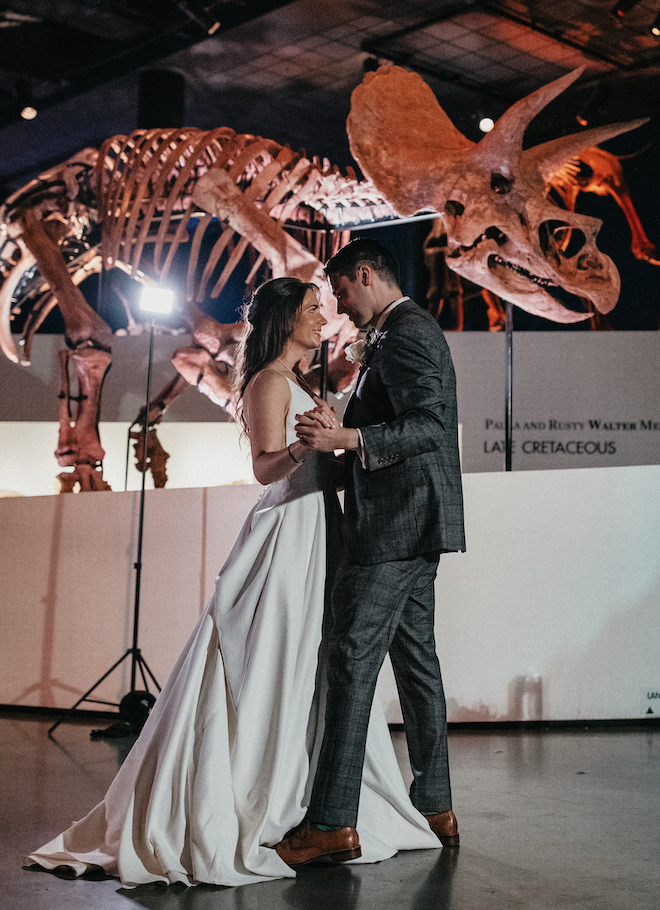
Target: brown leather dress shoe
pixel 308 844
pixel 445 828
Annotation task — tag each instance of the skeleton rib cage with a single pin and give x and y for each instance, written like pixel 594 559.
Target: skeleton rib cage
pixel 145 183
pixel 137 191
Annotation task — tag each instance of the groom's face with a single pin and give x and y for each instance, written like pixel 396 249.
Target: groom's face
pixel 353 298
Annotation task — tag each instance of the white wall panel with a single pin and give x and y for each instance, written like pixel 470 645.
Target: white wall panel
pixel 551 614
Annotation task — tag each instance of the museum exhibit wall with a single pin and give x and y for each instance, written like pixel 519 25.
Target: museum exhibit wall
pixel 551 614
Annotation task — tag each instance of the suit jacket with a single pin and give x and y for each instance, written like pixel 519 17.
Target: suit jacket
pixel 407 499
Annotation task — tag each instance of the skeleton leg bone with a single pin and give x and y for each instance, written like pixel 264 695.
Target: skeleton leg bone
pixel 154 459
pixel 90 338
pixel 79 442
pixel 92 366
pixel 83 325
pixel 210 376
pixel 85 477
pixel 67 447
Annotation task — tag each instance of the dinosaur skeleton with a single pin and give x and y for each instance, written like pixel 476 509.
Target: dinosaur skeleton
pixel 132 204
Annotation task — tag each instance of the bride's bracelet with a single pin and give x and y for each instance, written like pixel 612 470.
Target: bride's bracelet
pixel 292 456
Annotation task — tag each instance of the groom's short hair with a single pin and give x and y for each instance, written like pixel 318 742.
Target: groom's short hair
pixel 364 251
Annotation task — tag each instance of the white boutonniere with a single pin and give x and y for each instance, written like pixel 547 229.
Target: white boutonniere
pixel 360 351
pixel 356 352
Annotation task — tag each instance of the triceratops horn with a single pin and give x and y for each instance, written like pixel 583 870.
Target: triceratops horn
pixel 503 145
pixel 549 156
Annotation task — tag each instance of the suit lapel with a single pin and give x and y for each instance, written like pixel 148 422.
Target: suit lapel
pixel 391 317
pixel 349 405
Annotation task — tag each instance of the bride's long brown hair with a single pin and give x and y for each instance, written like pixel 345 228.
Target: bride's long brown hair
pixel 269 318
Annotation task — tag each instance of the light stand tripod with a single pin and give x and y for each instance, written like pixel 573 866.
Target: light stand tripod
pixel 152 301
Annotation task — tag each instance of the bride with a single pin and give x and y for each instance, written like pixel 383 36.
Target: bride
pixel 224 765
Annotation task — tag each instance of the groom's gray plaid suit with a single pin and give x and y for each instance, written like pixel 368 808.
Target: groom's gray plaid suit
pixel 403 507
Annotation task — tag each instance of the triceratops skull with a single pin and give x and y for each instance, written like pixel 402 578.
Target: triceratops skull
pixel 503 233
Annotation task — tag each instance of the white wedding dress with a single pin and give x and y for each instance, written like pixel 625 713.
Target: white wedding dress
pixel 224 765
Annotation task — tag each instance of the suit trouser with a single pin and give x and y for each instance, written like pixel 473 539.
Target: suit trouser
pixel 376 608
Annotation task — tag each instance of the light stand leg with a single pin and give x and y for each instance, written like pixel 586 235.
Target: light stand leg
pixel 138 561
pixel 85 697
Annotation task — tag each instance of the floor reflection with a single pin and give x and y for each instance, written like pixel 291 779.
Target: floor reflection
pixel 549 820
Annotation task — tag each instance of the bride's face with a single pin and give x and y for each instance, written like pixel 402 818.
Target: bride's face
pixel 307 332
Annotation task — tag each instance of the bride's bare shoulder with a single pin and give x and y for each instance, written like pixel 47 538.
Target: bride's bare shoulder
pixel 268 384
pixel 267 379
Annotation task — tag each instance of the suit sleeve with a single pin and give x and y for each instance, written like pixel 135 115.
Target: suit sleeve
pixel 417 374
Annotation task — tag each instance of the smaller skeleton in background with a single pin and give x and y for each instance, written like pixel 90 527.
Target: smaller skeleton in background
pixel 592 170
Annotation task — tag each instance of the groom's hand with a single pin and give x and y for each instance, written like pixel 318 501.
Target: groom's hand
pixel 320 429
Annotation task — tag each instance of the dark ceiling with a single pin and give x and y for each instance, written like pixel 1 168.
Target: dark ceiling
pixel 285 70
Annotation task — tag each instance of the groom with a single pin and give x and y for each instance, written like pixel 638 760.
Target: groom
pixel 403 508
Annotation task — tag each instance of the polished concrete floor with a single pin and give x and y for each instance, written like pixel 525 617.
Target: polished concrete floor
pixel 548 819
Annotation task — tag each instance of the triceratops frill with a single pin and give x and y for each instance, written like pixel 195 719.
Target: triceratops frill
pixel 503 232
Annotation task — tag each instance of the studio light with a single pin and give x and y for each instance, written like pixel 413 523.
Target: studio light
pixel 655 28
pixel 157 300
pixel 28 112
pixel 486 124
